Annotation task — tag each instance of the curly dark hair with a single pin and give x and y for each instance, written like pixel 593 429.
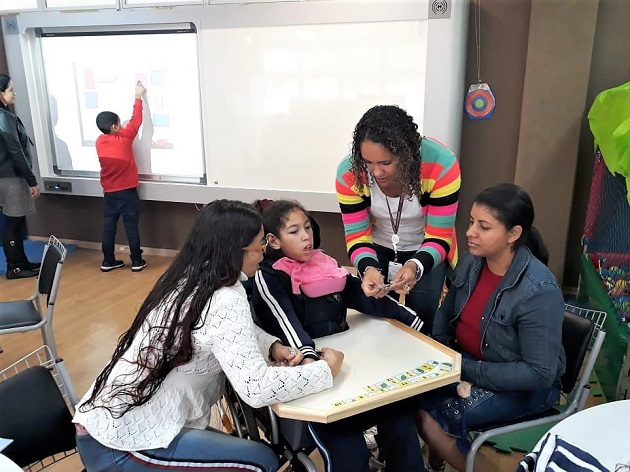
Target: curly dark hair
pixel 211 258
pixel 393 128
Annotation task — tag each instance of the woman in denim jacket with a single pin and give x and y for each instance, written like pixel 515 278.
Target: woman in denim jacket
pixel 504 313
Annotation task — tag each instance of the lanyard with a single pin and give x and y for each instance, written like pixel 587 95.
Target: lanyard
pixel 395 224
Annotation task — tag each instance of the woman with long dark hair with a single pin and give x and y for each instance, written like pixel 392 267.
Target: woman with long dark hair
pixel 149 407
pixel 504 313
pixel 18 186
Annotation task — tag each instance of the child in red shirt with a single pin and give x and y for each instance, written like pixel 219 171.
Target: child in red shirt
pixel 119 179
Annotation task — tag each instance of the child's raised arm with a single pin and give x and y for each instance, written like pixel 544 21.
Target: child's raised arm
pixel 140 89
pixel 131 130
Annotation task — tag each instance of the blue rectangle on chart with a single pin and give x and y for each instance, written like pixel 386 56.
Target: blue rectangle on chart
pixel 91 100
pixel 161 120
pixel 157 78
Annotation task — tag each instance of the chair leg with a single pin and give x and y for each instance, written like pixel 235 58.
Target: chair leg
pixel 49 340
pixel 305 462
pixel 63 372
pixel 470 457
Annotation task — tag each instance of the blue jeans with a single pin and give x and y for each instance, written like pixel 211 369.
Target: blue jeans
pixel 425 296
pixel 191 449
pixel 343 446
pixel 483 407
pixel 123 203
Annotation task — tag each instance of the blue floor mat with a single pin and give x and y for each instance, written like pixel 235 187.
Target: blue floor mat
pixel 34 251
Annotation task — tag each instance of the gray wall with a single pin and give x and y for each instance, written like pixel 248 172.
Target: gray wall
pixel 516 50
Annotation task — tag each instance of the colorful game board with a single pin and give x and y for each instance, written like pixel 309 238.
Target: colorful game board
pixel 385 361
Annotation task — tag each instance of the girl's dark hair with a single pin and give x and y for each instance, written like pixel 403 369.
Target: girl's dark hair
pixel 394 129
pixel 212 258
pixel 275 215
pixel 4 85
pixel 512 206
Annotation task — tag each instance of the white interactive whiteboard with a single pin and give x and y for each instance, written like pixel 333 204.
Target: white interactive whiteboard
pixel 256 101
pixel 99 76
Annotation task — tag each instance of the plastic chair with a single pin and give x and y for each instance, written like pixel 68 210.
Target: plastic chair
pixel 36 411
pixel 36 312
pixel 581 329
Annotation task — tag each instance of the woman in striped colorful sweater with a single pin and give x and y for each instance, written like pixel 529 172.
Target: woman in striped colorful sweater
pixel 398 193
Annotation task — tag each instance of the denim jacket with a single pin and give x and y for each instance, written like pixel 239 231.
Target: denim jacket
pixel 521 325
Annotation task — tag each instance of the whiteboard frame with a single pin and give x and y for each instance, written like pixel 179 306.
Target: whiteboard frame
pixel 444 87
pixel 181 28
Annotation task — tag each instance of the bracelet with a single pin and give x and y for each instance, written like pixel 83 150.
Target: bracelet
pixel 372 267
pixel 419 270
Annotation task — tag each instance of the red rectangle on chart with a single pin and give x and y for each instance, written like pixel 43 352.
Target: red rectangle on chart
pixel 88 77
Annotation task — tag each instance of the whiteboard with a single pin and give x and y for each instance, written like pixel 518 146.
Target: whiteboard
pixel 274 90
pixel 286 109
pixel 98 77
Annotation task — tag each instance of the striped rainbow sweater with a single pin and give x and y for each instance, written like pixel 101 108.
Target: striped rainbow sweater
pixel 440 182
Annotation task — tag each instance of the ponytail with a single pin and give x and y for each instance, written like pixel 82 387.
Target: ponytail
pixel 533 241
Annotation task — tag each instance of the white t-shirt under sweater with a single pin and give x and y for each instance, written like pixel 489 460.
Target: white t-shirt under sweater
pixel 227 341
pixel 412 220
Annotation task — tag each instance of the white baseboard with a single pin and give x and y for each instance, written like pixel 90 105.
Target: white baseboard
pixel 119 249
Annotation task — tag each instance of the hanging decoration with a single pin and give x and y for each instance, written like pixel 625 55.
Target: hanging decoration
pixel 479 103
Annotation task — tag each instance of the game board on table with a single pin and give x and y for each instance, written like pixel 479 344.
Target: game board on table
pixel 385 361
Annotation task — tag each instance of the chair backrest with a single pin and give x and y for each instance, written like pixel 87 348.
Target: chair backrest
pixel 576 336
pixel 34 414
pixel 50 271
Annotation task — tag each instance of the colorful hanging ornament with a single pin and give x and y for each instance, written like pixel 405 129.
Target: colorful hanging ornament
pixel 479 103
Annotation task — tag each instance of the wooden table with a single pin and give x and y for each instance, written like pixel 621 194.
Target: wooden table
pixel 385 361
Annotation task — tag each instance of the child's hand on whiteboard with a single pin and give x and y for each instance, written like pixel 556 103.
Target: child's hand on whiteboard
pixel 333 358
pixel 140 89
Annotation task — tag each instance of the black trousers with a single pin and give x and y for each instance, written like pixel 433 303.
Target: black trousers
pixel 124 203
pixel 13 241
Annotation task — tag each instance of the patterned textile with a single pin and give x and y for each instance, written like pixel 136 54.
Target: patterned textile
pixel 557 455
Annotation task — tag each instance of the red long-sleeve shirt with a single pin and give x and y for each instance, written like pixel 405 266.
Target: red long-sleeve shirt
pixel 115 153
pixel 468 330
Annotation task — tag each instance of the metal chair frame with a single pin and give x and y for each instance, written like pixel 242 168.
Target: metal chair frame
pixel 248 423
pixel 42 356
pixel 575 400
pixel 20 316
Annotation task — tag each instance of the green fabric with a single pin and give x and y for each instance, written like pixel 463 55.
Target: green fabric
pixel 609 119
pixel 610 360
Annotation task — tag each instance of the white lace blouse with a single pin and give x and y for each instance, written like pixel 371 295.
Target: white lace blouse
pixel 227 342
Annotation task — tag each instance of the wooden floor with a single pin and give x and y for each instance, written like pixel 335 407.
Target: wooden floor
pixel 93 309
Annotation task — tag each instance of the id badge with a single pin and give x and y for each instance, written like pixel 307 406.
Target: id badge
pixel 392 270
